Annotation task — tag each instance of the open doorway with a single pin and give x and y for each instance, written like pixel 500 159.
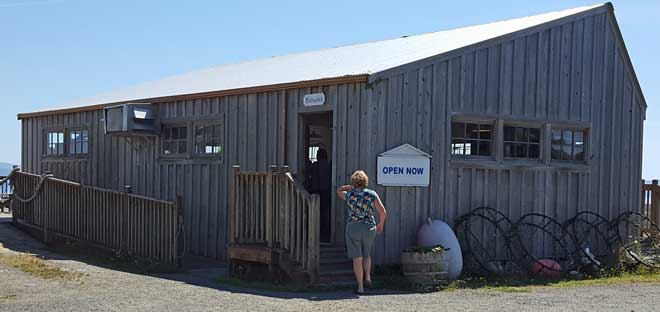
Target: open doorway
pixel 317 168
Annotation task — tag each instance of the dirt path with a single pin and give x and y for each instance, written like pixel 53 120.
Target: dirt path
pixel 102 289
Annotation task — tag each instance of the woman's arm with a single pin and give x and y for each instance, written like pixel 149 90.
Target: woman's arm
pixel 341 191
pixel 382 216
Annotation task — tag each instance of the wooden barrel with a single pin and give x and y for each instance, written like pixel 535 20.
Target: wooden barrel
pixel 429 268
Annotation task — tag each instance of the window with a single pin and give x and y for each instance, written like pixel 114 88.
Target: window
pixel 521 142
pixel 208 139
pixel 471 139
pixel 174 140
pixel 55 143
pixel 568 145
pixel 78 142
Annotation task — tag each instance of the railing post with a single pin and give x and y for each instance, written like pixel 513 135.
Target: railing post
pixel 655 201
pixel 234 193
pixel 269 205
pixel 313 247
pixel 179 245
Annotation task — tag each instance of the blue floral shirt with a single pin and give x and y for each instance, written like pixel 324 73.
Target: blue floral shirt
pixel 361 204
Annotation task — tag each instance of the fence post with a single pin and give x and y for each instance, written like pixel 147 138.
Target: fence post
pixel 180 245
pixel 234 194
pixel 269 206
pixel 655 201
pixel 12 203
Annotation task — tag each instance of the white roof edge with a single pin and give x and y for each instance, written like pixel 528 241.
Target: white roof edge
pixel 349 60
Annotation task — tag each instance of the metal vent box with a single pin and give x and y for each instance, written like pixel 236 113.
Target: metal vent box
pixel 131 119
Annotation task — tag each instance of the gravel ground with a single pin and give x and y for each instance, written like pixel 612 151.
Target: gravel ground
pixel 107 290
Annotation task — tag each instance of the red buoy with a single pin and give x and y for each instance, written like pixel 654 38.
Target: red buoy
pixel 545 269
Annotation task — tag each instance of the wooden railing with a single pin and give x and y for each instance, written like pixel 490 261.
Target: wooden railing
pixel 273 209
pixel 651 200
pixel 5 193
pixel 133 225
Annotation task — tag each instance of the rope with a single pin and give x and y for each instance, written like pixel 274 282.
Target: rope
pixel 36 191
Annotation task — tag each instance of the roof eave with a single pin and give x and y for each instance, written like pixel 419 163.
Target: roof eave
pixel 238 91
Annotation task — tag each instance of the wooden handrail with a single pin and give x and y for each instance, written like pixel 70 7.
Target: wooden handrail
pixel 274 209
pixel 131 224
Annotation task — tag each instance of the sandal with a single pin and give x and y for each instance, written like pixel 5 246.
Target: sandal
pixel 368 284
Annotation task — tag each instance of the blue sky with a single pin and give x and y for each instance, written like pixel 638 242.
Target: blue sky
pixel 54 51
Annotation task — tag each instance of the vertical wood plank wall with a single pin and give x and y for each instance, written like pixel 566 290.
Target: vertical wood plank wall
pixel 571 72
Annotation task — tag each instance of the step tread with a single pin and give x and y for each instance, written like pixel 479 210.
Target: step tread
pixel 335 260
pixel 337 272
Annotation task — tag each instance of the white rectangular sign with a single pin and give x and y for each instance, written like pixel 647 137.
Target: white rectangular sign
pixel 314 99
pixel 404 171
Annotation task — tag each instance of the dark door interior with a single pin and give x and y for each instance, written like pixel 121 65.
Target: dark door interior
pixel 317 168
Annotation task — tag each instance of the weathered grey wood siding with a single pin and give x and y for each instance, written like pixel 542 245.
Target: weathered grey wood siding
pixel 253 139
pixel 574 71
pixel 570 72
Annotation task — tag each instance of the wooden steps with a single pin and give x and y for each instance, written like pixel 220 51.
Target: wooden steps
pixel 335 267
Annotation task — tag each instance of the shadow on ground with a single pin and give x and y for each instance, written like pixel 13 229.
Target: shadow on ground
pixel 197 271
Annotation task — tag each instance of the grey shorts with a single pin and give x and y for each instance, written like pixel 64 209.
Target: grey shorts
pixel 360 238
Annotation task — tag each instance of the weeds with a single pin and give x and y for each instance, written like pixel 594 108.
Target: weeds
pixel 37 267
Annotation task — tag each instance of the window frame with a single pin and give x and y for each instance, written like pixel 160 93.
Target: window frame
pixel 185 155
pixel 66 153
pixel 217 122
pixel 497 160
pixel 68 141
pixel 474 120
pixel 46 134
pixel 521 124
pixel 586 150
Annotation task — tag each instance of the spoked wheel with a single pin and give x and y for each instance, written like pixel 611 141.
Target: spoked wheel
pixel 549 247
pixel 486 235
pixel 595 242
pixel 640 238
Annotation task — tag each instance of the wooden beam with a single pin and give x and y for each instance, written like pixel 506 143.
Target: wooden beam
pixel 251 253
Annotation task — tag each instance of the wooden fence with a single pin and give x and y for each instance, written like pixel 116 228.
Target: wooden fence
pixel 133 225
pixel 272 209
pixel 651 200
pixel 5 193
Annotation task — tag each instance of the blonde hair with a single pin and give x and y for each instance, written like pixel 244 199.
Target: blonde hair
pixel 359 179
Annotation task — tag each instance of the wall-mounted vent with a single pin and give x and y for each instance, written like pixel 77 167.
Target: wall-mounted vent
pixel 132 119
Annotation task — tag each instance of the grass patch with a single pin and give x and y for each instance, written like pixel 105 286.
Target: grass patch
pixel 37 267
pixel 640 275
pixel 7 297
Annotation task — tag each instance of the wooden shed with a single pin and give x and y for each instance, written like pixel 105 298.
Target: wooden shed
pixel 536 114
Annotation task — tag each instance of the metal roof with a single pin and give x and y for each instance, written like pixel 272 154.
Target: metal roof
pixel 352 60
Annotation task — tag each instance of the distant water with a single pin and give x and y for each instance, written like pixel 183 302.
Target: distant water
pixel 5 169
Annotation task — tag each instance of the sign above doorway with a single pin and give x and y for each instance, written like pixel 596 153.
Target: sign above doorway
pixel 314 99
pixel 404 166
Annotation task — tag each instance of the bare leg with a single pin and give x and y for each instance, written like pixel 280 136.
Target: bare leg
pixel 366 265
pixel 359 273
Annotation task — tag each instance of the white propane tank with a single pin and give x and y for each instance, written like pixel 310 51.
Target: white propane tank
pixel 436 232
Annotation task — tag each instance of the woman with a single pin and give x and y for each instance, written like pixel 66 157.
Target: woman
pixel 361 227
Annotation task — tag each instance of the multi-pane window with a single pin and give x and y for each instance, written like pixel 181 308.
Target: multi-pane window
pixel 174 140
pixel 522 142
pixel 568 145
pixel 471 139
pixel 78 142
pixel 55 143
pixel 208 139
